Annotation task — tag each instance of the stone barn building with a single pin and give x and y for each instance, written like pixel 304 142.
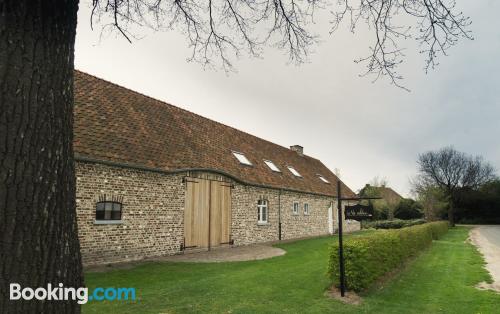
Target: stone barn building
pixel 154 180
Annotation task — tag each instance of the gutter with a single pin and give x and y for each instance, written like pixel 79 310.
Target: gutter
pixel 80 158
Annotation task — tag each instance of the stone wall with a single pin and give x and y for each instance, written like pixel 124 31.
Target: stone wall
pixel 153 213
pixel 244 226
pixel 301 225
pixel 246 230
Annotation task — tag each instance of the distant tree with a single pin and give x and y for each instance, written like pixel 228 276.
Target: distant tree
pixel 452 171
pixel 408 209
pixel 481 205
pixel 378 181
pixel 336 171
pixel 37 181
pixel 433 201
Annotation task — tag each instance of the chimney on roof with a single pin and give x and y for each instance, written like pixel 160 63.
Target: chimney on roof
pixel 298 149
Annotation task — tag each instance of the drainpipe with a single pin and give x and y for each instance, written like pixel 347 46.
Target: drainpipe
pixel 279 215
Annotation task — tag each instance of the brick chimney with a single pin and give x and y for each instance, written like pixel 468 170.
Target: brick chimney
pixel 298 149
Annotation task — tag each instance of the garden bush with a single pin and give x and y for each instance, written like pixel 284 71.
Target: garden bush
pixel 391 224
pixel 408 209
pixel 438 228
pixel 368 257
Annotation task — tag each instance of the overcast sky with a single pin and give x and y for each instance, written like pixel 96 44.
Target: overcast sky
pixel 364 129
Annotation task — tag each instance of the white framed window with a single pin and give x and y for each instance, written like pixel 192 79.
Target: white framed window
pixel 323 179
pixel 295 208
pixel 294 172
pixel 306 209
pixel 242 158
pixel 272 166
pixel 262 213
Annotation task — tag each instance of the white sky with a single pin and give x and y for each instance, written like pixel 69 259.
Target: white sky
pixel 349 123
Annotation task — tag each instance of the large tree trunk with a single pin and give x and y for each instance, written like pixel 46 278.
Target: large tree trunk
pixel 451 212
pixel 38 231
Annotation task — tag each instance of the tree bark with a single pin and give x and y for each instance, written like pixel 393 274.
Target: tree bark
pixel 451 212
pixel 38 230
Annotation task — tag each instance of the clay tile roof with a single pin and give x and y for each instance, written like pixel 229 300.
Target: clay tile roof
pixel 117 125
pixel 390 195
pixel 387 193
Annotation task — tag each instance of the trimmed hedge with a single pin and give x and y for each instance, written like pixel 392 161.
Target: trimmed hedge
pixel 368 257
pixel 391 224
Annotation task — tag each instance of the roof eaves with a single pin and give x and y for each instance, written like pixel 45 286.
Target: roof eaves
pixel 81 158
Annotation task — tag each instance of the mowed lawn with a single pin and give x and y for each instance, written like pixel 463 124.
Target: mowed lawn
pixel 440 280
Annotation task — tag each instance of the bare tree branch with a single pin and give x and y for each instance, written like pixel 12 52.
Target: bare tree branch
pixel 438 28
pixel 218 31
pixel 451 171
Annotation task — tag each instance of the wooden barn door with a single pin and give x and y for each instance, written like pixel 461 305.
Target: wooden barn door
pixel 196 211
pixel 207 216
pixel 220 213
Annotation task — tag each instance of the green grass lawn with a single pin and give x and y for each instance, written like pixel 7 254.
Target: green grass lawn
pixel 440 280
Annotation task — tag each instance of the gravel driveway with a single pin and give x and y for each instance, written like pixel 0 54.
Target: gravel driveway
pixel 487 239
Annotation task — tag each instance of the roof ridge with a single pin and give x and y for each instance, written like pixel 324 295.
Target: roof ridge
pixel 190 112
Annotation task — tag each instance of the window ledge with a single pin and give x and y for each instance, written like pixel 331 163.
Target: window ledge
pixel 108 222
pixel 263 224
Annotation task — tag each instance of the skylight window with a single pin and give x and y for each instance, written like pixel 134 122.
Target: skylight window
pixel 323 179
pixel 272 166
pixel 242 158
pixel 294 172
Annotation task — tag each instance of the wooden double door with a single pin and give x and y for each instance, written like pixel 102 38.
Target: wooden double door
pixel 207 216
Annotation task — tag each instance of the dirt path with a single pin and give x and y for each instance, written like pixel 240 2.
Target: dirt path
pixel 236 254
pixel 487 239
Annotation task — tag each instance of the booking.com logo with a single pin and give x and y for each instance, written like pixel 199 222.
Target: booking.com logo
pixel 80 295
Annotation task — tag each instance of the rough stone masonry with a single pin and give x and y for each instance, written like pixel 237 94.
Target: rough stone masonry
pixel 152 223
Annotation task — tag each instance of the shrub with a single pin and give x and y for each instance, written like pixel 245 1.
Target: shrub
pixel 438 228
pixel 391 224
pixel 408 209
pixel 368 257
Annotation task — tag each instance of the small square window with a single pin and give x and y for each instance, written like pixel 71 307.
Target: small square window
pixel 262 213
pixel 295 208
pixel 272 166
pixel 306 209
pixel 242 158
pixel 108 211
pixel 293 171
